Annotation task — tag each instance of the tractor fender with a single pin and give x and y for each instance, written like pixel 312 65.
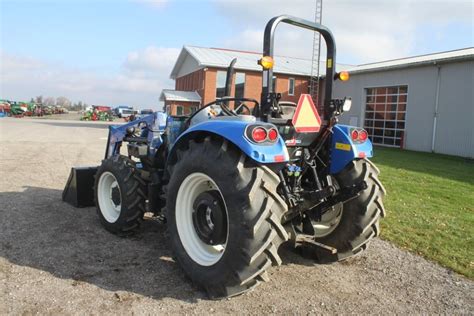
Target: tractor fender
pixel 234 132
pixel 344 150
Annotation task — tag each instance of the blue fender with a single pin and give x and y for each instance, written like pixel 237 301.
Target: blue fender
pixel 234 132
pixel 344 150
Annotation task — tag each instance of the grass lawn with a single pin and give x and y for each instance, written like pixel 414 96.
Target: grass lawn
pixel 430 205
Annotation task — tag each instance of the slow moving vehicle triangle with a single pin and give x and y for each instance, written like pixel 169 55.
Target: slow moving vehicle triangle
pixel 306 118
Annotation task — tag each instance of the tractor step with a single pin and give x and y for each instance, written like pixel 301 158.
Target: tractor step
pixel 79 189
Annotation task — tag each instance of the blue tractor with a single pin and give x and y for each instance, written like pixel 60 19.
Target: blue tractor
pixel 238 178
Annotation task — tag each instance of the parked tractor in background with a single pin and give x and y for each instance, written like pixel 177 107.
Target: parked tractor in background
pixel 5 108
pixel 232 185
pixel 98 113
pixel 18 108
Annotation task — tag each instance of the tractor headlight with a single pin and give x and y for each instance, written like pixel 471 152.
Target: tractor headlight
pixel 347 104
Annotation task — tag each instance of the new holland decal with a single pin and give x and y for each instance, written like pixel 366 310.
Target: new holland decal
pixel 343 146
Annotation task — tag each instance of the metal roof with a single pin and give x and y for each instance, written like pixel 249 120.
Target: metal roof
pixel 183 96
pixel 459 54
pixel 221 58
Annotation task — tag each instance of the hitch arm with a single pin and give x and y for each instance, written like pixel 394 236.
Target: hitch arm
pixel 345 194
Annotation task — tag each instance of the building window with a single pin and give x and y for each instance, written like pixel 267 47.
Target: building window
pixel 239 84
pixel 220 84
pixel 385 112
pixel 179 110
pixel 194 109
pixel 291 86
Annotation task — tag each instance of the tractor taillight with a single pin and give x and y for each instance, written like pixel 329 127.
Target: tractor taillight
pixel 272 134
pixel 259 135
pixel 363 135
pixel 355 135
pixel 359 135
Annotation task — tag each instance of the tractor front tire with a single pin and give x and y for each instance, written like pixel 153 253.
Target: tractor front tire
pixel 119 195
pixel 359 221
pixel 224 217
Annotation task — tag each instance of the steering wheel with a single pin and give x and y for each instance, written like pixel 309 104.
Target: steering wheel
pixel 240 107
pixel 225 109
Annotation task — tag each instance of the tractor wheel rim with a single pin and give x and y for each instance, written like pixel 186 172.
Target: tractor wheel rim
pixel 198 250
pixel 329 221
pixel 109 197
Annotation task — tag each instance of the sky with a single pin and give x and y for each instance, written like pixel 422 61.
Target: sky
pixel 115 52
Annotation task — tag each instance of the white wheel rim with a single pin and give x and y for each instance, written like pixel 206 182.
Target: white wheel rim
pixel 200 252
pixel 329 221
pixel 107 183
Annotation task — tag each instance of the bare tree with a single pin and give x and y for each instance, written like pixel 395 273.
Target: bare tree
pixel 39 99
pixel 49 101
pixel 63 101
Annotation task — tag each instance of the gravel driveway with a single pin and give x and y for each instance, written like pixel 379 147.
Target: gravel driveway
pixel 56 259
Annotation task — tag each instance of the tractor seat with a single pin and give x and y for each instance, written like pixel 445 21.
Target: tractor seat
pixel 287 109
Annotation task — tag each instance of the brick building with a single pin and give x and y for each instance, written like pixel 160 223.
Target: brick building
pixel 203 71
pixel 413 103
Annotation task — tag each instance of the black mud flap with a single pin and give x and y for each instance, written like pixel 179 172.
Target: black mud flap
pixel 79 189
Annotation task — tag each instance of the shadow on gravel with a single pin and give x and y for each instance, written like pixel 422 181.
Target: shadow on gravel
pixel 38 230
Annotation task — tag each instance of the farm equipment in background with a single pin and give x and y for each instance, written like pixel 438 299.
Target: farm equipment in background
pixel 4 108
pixel 233 187
pixel 30 109
pixel 18 109
pixel 98 113
pixel 21 109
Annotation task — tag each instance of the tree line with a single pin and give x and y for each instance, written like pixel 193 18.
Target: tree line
pixel 60 101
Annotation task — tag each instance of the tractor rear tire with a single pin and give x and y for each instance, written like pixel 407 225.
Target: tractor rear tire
pixel 120 195
pixel 360 218
pixel 250 203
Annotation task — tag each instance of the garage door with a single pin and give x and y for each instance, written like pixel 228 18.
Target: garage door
pixel 385 112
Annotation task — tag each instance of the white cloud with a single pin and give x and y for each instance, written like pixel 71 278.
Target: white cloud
pixel 151 60
pixel 365 30
pixel 138 82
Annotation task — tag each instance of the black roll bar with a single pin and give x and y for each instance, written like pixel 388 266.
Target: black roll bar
pixel 268 39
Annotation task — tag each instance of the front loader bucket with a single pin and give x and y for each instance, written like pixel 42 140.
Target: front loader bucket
pixel 79 189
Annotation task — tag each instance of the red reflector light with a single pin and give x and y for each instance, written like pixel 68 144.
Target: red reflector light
pixel 259 135
pixel 355 135
pixel 272 134
pixel 363 135
pixel 279 158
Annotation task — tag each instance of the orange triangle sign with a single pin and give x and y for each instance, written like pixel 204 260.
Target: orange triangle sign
pixel 306 118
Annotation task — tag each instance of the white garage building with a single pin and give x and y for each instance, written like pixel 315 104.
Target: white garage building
pixel 423 103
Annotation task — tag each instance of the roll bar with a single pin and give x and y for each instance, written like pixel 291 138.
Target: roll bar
pixel 268 41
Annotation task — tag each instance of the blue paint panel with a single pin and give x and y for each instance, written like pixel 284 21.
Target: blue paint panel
pixel 234 131
pixel 339 157
pixel 156 123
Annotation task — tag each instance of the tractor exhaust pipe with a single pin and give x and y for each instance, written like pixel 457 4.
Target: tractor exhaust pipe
pixel 228 78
